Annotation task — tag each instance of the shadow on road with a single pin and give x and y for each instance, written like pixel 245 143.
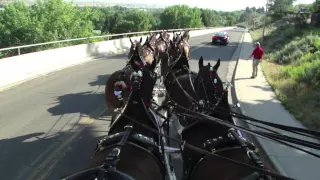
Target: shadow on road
pixel 79 153
pixel 85 103
pixel 32 155
pixel 101 80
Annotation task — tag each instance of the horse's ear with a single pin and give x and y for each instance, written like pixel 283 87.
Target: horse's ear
pixel 147 40
pixel 217 65
pixel 201 62
pixel 141 40
pixel 130 40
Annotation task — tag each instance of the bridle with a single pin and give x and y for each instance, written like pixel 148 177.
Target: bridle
pixel 206 102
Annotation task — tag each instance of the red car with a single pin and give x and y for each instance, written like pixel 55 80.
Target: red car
pixel 220 38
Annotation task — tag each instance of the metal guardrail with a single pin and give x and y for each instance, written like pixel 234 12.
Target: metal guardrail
pixel 94 37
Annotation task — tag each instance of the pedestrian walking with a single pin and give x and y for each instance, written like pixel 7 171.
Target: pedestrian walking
pixel 257 56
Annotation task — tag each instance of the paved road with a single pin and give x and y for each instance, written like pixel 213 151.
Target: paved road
pixel 49 126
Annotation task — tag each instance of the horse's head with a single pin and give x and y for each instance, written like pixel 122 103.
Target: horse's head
pixel 137 59
pixel 149 47
pixel 140 82
pixel 178 55
pixel 186 35
pixel 165 36
pixel 176 37
pixel 151 41
pixel 162 43
pixel 133 46
pixel 182 40
pixel 208 84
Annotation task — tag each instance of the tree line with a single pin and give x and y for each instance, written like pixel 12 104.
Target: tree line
pixel 52 20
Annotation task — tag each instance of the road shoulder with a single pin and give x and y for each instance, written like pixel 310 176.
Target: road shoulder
pixel 258 100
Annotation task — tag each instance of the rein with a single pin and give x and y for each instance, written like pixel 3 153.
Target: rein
pixel 214 108
pixel 213 80
pixel 251 154
pixel 205 152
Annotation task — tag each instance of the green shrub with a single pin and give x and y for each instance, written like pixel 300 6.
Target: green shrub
pixel 308 72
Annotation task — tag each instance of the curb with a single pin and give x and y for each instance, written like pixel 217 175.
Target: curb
pixel 234 100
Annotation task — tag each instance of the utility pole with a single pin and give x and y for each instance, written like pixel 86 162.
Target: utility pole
pixel 254 19
pixel 264 23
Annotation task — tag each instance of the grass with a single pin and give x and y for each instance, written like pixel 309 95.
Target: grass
pixel 292 68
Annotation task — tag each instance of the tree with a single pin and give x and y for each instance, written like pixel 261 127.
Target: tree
pixel 180 16
pixel 211 18
pixel 315 7
pixel 52 20
pixel 281 6
pixel 120 20
pixel 16 25
pixel 45 21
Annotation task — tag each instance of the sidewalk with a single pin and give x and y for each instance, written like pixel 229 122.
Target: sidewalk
pixel 258 100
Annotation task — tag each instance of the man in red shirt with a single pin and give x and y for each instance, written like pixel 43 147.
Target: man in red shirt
pixel 257 56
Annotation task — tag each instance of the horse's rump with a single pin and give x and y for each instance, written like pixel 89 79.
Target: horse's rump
pixel 135 160
pixel 211 167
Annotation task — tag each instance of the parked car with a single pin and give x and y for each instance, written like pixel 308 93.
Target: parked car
pixel 221 38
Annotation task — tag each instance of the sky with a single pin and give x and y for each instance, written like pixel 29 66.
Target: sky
pixel 222 5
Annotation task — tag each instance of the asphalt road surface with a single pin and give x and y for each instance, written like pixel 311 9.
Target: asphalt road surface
pixel 49 126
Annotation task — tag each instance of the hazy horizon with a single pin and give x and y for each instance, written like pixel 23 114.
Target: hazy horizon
pixel 225 5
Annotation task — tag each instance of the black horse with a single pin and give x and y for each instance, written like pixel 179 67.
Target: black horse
pixel 190 90
pixel 139 156
pixel 179 80
pixel 214 136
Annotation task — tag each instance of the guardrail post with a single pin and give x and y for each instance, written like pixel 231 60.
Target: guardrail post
pixel 18 51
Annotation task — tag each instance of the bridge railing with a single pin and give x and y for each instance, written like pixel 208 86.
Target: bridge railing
pixel 18 48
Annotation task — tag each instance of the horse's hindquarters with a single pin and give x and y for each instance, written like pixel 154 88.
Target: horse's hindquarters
pixel 135 161
pixel 211 167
